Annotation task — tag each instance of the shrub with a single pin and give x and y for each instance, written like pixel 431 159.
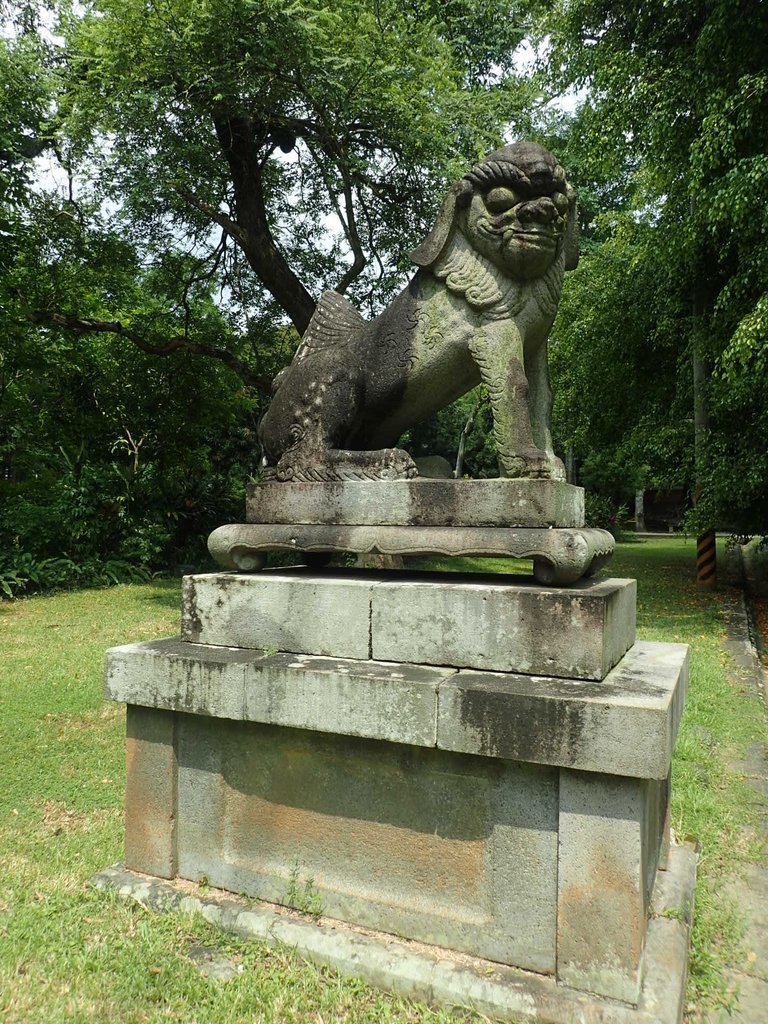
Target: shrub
pixel 603 513
pixel 21 573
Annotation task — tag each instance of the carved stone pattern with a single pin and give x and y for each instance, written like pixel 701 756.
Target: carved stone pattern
pixel 506 263
pixel 560 556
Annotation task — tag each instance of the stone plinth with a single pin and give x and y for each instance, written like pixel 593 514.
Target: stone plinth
pixel 624 725
pixel 419 502
pixel 559 556
pixel 517 816
pixel 540 519
pixel 485 621
pixel 365 794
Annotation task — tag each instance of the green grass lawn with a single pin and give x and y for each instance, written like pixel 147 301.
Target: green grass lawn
pixel 68 953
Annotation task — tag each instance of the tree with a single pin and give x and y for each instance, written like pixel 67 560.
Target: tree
pixel 219 164
pixel 281 148
pixel 675 104
pixel 622 387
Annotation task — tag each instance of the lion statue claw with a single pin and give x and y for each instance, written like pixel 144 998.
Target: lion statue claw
pixel 478 309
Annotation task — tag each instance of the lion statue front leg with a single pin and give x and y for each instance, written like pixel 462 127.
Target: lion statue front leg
pixel 540 406
pixel 522 450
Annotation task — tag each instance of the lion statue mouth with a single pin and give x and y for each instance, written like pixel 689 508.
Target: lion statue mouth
pixel 541 237
pixel 478 309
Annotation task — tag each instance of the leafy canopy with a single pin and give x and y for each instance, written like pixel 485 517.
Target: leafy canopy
pixel 317 135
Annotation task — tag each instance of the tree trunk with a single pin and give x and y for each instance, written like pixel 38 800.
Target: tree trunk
pixel 706 559
pixel 239 146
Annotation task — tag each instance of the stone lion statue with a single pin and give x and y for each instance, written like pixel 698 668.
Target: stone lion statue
pixel 479 308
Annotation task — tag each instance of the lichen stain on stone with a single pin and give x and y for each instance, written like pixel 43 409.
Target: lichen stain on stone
pixel 526 728
pixel 422 505
pixel 192 623
pixel 369 850
pixel 585 913
pixel 317 805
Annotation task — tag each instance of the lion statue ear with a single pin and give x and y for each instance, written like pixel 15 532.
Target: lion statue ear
pixel 433 245
pixel 571 239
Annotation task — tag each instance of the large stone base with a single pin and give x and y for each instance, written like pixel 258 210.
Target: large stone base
pixel 426 973
pixel 390 805
pixel 474 764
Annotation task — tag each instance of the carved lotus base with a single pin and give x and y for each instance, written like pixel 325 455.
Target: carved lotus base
pixel 560 556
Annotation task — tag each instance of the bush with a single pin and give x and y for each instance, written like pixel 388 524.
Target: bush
pixel 21 573
pixel 604 513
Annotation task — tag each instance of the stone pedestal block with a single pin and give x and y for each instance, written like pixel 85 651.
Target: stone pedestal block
pixel 383 835
pixel 150 791
pixel 485 622
pixel 419 502
pixel 611 831
pixel 474 763
pixel 624 726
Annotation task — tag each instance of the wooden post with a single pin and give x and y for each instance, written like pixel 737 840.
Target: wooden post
pixel 706 564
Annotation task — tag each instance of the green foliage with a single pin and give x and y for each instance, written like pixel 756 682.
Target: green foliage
pixel 22 574
pixel 377 101
pixel 301 894
pixel 669 138
pixel 115 455
pixel 441 434
pixel 27 63
pixel 603 513
pixel 620 365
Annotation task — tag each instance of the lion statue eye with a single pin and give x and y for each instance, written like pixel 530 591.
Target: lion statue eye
pixel 500 199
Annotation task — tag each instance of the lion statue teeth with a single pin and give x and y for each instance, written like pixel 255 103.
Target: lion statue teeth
pixel 478 309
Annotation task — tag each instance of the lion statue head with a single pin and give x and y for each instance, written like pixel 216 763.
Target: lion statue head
pixel 515 208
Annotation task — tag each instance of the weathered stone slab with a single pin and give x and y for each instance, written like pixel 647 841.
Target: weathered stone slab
pixel 418 502
pixel 560 556
pixel 425 973
pixel 397 703
pixel 150 792
pixel 355 698
pixel 176 676
pixel 302 613
pixel 456 851
pixel 506 624
pixel 625 725
pixel 578 633
pixel 609 847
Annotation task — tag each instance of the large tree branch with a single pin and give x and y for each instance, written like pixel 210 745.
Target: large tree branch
pixel 87 325
pixel 217 216
pixel 239 146
pixel 359 261
pixel 347 219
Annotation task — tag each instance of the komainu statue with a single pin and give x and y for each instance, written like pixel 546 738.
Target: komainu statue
pixel 479 308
